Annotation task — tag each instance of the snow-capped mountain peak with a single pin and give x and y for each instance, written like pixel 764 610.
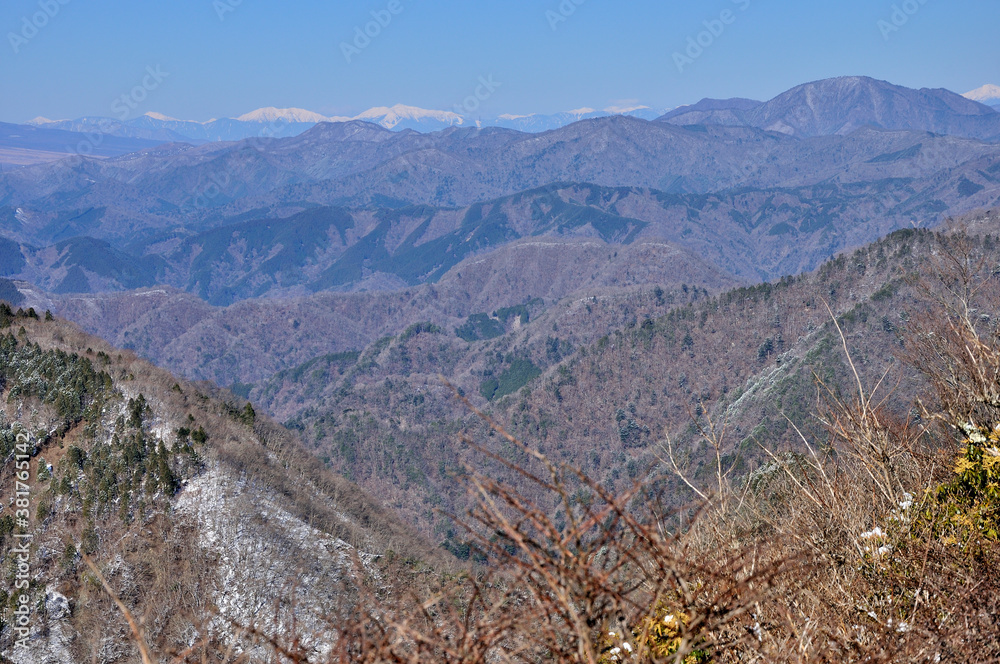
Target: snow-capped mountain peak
pixel 989 93
pixel 294 121
pixel 391 117
pixel 161 117
pixel 294 115
pixel 621 110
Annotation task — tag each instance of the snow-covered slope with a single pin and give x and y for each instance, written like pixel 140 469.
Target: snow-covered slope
pixel 537 122
pixel 989 94
pixel 411 117
pixel 272 114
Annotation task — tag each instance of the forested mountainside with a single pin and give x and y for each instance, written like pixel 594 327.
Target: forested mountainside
pixel 599 375
pixel 601 382
pixel 601 372
pixel 249 341
pixel 337 249
pixel 200 513
pixel 836 431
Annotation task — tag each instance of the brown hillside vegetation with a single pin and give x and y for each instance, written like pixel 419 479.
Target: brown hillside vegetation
pixel 597 381
pixel 877 541
pixel 250 341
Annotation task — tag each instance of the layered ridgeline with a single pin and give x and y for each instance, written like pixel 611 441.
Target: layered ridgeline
pixel 137 198
pixel 835 106
pixel 602 382
pixel 283 267
pixel 326 249
pixel 206 519
pixel 354 205
pixel 441 264
pixel 596 378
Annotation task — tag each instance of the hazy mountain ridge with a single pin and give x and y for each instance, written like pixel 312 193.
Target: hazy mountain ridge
pixel 287 122
pixel 862 92
pixel 249 341
pixel 842 105
pixel 331 248
pixel 361 165
pixel 828 107
pixel 728 112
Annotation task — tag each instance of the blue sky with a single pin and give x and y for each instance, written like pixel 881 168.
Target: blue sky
pixel 222 58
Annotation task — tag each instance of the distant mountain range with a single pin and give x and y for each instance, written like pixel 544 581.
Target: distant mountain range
pixel 822 108
pixel 862 101
pixel 839 106
pixel 285 122
pixel 338 249
pixel 352 205
pixel 43 140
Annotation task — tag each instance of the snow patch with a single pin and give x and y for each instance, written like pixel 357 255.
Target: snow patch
pixel 264 551
pixel 391 117
pixel 160 117
pixel 619 110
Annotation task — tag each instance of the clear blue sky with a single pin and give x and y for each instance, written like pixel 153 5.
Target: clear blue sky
pixel 270 53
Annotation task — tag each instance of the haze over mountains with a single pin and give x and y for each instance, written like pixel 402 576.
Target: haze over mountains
pixel 372 230
pixel 353 207
pixel 274 122
pixel 873 102
pixel 592 285
pixel 24 145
